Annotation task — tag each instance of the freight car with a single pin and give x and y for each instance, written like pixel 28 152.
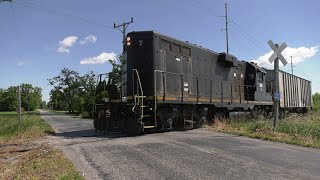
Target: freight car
pixel 295 91
pixel 173 84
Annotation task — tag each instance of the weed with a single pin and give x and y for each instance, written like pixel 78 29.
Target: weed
pixel 296 129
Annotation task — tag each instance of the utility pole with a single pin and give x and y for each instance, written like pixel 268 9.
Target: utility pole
pixel 19 105
pixel 291 66
pixel 226 29
pixel 124 26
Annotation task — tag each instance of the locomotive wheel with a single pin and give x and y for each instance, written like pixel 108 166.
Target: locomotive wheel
pixel 202 121
pixel 135 127
pixel 198 119
pixel 165 120
pixel 257 113
pixel 100 122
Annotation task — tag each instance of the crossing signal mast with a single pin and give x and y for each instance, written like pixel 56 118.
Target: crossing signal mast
pixel 275 57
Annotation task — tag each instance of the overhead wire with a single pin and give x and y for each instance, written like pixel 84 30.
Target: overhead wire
pixel 55 12
pixel 16 32
pixel 208 9
pixel 246 35
pixel 250 37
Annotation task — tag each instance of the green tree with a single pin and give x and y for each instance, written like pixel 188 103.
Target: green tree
pixel 87 91
pixel 57 100
pixel 43 105
pixel 115 74
pixel 2 91
pixel 316 101
pixel 31 97
pixel 68 82
pixel 9 99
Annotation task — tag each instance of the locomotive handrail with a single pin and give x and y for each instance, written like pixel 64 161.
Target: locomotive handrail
pixel 137 73
pixel 140 98
pixel 211 80
pixel 199 77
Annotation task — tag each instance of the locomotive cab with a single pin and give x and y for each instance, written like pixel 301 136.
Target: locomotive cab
pixel 255 83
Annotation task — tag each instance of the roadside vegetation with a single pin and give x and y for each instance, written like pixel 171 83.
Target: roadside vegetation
pixel 32 127
pixel 297 129
pixel 75 93
pixel 30 98
pixel 23 157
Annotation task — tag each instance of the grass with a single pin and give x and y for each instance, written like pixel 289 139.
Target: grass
pixel 297 129
pixel 32 127
pixel 43 162
pixel 22 158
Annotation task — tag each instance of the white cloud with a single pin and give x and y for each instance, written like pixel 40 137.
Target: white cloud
pixel 100 59
pixel 66 43
pixel 63 50
pixel 21 63
pixel 298 55
pixel 89 39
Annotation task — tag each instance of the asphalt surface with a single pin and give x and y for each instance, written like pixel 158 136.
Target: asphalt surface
pixel 193 154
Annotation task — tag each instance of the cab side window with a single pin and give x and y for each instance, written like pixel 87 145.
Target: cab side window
pixel 260 76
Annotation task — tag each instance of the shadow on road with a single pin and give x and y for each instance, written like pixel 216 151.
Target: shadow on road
pixel 115 134
pixel 55 114
pixel 90 133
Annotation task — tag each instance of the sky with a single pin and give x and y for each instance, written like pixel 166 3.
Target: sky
pixel 40 37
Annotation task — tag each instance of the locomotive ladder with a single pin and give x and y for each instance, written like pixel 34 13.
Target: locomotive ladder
pixel 139 97
pixel 188 120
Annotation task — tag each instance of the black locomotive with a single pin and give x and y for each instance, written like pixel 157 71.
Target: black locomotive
pixel 172 84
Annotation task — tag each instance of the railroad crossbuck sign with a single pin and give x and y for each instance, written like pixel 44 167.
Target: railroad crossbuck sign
pixel 277 52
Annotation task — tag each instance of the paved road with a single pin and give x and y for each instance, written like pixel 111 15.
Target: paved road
pixel 194 154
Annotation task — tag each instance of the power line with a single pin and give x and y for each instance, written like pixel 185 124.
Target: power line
pixel 236 27
pixel 55 12
pixel 252 52
pixel 250 37
pixel 5 0
pixel 124 26
pixel 208 9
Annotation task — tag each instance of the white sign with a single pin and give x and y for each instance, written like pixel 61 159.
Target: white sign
pixel 277 52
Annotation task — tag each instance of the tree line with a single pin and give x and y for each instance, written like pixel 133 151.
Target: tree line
pixel 72 92
pixel 31 97
pixel 316 101
pixel 75 93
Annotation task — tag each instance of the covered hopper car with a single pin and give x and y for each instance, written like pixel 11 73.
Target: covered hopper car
pixel 295 91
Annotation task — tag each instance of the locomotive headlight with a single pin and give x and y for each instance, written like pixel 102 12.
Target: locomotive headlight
pixel 128 41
